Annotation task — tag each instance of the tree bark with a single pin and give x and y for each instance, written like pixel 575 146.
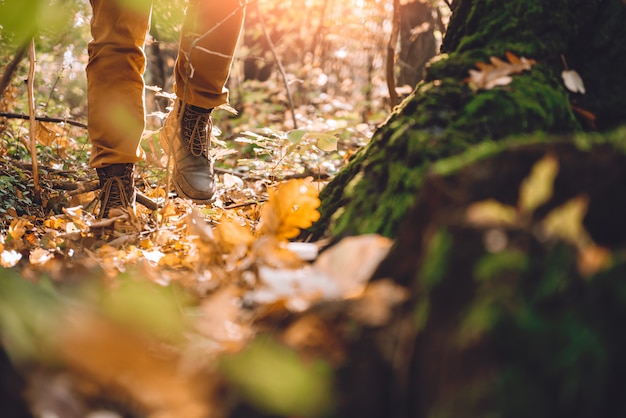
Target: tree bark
pixel 444 116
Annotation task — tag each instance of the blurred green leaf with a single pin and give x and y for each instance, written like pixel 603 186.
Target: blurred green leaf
pixel 147 306
pixel 274 379
pixel 296 135
pixel 325 142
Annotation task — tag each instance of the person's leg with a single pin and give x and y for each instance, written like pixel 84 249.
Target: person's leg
pixel 115 82
pixel 209 37
pixel 210 34
pixel 115 96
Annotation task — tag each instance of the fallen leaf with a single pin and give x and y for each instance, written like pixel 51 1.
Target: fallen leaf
pixel 229 234
pixel 537 188
pixel 9 258
pixel 39 256
pixel 498 72
pixel 18 227
pixel 352 261
pixel 232 182
pixel 566 222
pixel 46 133
pixel 573 81
pixel 587 116
pixel 291 206
pixel 490 212
pixel 297 289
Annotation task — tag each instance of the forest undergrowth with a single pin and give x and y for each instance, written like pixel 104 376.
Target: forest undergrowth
pixel 191 283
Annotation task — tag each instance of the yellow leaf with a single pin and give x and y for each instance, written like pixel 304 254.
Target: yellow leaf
pixel 18 228
pixel 537 188
pixel 291 206
pixel 490 212
pixel 566 222
pixel 54 223
pixel 230 234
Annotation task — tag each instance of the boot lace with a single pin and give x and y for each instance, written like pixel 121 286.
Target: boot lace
pixel 116 192
pixel 196 127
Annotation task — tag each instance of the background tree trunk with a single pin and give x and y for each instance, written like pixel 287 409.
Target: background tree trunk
pixel 417 41
pixel 444 116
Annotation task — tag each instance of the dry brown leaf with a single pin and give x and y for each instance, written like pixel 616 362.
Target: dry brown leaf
pixel 39 256
pixel 498 73
pixel 47 133
pixel 291 206
pixel 588 117
pixel 18 227
pixel 352 261
pixel 230 233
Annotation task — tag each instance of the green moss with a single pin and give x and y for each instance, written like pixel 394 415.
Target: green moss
pixel 493 265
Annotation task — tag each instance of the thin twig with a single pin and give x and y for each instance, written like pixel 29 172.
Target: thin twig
pixel 10 115
pixel 244 204
pixel 281 69
pixel 31 111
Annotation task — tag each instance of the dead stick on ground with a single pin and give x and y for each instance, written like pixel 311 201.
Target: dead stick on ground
pixel 31 110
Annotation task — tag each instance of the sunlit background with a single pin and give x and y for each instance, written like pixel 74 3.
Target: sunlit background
pixel 333 53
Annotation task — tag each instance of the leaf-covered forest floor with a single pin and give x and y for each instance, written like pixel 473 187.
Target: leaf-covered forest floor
pixel 108 311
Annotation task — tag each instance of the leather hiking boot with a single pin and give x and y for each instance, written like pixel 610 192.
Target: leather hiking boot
pixel 186 137
pixel 117 183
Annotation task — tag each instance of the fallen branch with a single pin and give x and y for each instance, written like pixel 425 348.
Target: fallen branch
pixel 10 115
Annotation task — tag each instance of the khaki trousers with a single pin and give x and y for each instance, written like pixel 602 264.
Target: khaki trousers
pixel 115 85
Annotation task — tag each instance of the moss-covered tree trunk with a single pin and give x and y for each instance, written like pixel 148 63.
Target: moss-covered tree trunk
pixel 445 116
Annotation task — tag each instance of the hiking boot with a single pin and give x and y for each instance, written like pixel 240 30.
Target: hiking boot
pixel 186 137
pixel 117 183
